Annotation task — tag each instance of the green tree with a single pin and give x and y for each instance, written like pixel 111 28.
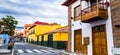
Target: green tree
pixel 9 23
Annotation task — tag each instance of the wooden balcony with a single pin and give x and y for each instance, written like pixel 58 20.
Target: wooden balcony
pixel 77 18
pixel 93 13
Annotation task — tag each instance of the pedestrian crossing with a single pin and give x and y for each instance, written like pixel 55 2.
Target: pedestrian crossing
pixel 20 51
pixel 36 51
pixel 29 51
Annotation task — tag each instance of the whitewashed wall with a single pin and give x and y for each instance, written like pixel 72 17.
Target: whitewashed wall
pixel 109 33
pixel 87 29
pixel 72 11
pixel 87 32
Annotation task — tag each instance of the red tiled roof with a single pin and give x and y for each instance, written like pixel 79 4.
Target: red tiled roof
pixel 37 22
pixel 68 2
pixel 62 29
pixel 42 23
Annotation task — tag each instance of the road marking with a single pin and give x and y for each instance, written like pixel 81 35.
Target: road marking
pixel 36 50
pixel 12 52
pixel 54 51
pixel 29 51
pixel 20 50
pixel 45 51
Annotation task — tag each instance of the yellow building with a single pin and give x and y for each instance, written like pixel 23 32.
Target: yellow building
pixel 40 28
pixel 56 38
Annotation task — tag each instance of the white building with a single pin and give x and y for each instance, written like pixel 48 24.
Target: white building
pixel 90 27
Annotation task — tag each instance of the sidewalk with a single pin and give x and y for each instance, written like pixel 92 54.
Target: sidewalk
pixel 3 46
pixel 63 52
pixel 4 50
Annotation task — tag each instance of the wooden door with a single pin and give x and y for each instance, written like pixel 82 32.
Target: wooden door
pixel 37 39
pixel 99 40
pixel 85 49
pixel 78 41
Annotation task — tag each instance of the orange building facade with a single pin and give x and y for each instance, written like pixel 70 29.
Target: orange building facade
pixel 26 27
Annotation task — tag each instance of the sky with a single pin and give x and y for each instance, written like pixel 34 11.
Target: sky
pixel 29 11
pixel 19 29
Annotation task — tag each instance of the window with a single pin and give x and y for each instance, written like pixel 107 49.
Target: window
pixel 77 11
pixel 93 2
pixel 33 31
pixel 99 28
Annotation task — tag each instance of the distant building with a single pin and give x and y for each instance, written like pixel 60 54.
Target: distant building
pixel 4 38
pixel 26 31
pixel 57 38
pixel 40 28
pixel 19 29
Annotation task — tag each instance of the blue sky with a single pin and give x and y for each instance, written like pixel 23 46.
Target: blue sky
pixel 29 11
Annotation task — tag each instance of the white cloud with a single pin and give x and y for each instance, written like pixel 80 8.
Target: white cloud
pixel 29 11
pixel 22 1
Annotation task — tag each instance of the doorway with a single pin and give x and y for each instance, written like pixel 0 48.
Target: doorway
pixel 50 40
pixel 99 40
pixel 78 41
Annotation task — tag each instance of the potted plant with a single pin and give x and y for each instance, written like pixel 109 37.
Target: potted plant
pixel 10 45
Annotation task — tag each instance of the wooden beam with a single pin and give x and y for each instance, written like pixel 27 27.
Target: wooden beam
pixel 97 4
pixel 69 29
pixel 81 9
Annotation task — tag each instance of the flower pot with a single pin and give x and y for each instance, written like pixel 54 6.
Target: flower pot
pixel 10 47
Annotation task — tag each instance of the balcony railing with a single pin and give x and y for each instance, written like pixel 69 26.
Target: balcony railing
pixel 77 18
pixel 94 12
